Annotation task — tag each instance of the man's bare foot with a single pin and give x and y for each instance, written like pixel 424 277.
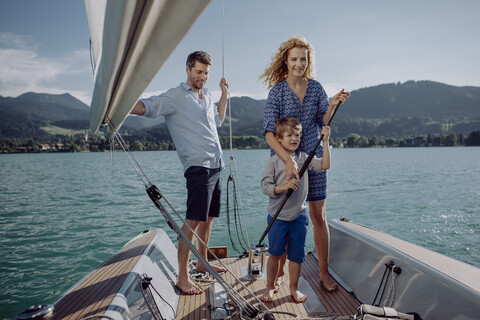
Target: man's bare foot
pixel 297 296
pixel 188 287
pixel 278 283
pixel 267 295
pixel 201 268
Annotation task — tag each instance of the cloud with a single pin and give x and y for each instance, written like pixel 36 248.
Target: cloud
pixel 8 39
pixel 23 69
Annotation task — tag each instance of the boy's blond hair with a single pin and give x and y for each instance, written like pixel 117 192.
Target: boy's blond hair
pixel 286 125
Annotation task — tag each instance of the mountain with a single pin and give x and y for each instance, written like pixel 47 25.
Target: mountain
pixel 44 107
pixel 410 108
pixel 391 110
pixel 414 98
pixel 23 117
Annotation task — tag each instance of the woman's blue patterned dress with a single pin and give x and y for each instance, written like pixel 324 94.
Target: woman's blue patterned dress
pixel 283 102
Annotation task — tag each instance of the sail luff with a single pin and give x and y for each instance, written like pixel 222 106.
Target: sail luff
pixel 138 37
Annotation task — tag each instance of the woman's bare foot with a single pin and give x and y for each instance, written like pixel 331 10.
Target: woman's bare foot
pixel 267 295
pixel 188 287
pixel 278 283
pixel 328 284
pixel 297 296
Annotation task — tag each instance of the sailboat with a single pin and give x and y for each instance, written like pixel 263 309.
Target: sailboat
pixel 130 41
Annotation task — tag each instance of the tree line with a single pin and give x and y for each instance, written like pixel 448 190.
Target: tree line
pixel 98 143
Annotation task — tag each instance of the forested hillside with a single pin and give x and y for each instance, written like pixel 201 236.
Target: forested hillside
pixel 396 110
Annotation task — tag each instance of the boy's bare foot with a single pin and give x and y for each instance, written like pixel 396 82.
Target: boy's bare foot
pixel 267 295
pixel 297 296
pixel 278 283
pixel 188 287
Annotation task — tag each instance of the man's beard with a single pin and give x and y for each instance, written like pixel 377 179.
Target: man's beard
pixel 196 86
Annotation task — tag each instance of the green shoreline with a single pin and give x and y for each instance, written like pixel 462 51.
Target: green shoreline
pixel 98 143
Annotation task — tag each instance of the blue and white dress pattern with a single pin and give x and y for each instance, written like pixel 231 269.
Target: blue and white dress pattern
pixel 283 102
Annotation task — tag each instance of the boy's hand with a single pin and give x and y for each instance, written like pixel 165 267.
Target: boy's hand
pixel 326 133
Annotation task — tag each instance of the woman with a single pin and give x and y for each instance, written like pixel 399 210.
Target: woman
pixel 294 92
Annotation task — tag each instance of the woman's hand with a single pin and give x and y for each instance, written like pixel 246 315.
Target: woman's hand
pixel 334 102
pixel 339 98
pixel 326 133
pixel 291 169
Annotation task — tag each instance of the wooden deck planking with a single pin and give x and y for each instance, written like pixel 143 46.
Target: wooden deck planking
pixel 340 302
pixel 282 299
pixel 96 292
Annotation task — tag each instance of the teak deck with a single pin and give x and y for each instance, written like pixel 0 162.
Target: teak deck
pixel 339 303
pixel 93 294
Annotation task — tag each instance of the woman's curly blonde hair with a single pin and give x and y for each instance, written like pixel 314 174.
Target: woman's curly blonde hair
pixel 277 71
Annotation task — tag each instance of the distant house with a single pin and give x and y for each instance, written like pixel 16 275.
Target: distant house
pixel 59 146
pixel 44 147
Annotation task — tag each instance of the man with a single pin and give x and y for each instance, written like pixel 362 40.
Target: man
pixel 192 119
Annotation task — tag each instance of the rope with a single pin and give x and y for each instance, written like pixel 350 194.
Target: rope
pixel 147 280
pixel 228 216
pixel 391 292
pixel 380 286
pixel 223 41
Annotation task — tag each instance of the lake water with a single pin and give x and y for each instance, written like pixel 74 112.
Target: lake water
pixel 61 215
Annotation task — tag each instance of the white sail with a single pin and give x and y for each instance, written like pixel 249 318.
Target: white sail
pixel 131 39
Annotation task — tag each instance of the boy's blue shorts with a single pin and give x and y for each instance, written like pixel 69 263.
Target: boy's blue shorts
pixel 290 235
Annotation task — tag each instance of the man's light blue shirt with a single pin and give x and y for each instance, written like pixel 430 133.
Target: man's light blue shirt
pixel 192 123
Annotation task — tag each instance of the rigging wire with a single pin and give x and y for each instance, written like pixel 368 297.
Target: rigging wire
pixel 154 193
pixel 242 234
pixel 239 299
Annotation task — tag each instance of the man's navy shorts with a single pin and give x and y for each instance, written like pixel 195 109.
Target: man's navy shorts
pixel 289 234
pixel 204 188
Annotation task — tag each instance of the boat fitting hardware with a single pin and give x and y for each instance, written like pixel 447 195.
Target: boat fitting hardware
pixel 37 312
pixel 256 260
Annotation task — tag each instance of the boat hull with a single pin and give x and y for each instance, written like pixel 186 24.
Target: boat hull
pixel 431 284
pixel 139 281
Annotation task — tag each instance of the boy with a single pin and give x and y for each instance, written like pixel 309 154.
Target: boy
pixel 289 231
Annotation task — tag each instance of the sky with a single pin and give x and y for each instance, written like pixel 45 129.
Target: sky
pixel 44 45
